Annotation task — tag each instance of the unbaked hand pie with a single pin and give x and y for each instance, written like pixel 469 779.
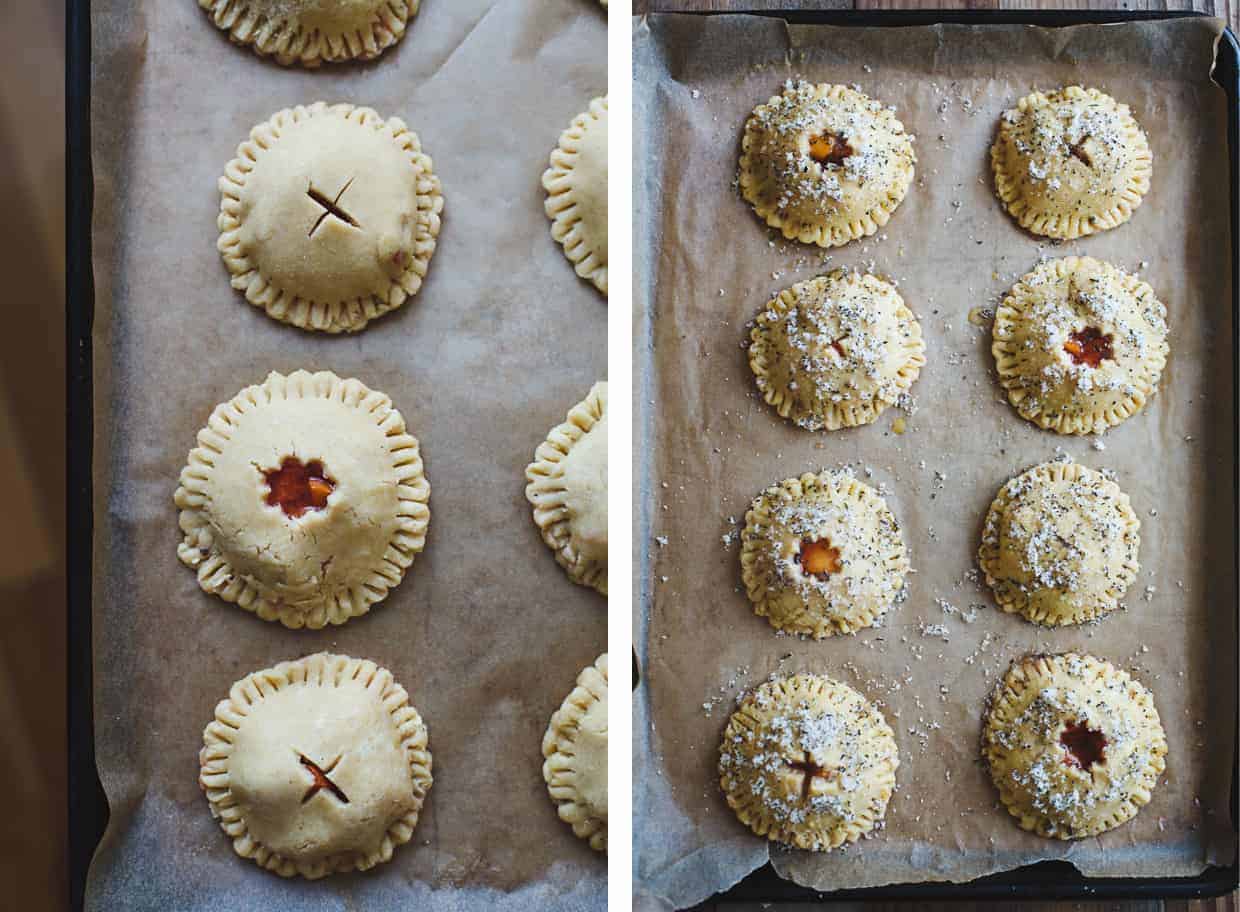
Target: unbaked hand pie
pixel 1070 163
pixel 310 32
pixel 328 216
pixel 1079 345
pixel 575 748
pixel 304 501
pixel 1060 544
pixel 822 555
pixel 835 351
pixel 568 489
pixel 316 766
pixel 825 164
pixel 1074 745
pixel 576 185
pixel 809 762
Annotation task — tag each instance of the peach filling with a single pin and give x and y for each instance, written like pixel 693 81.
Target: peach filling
pixel 829 149
pixel 321 780
pixel 1083 744
pixel 819 559
pixel 298 488
pixel 1089 346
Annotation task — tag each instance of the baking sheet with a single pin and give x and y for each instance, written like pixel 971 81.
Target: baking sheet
pixel 707 443
pixel 485 632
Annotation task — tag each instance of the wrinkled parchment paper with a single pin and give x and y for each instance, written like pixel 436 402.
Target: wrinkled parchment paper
pixel 706 266
pixel 485 632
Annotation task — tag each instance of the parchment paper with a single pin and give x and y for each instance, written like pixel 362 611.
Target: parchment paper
pixel 485 632
pixel 706 265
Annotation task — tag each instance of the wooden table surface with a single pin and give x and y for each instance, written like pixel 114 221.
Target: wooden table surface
pixel 1224 9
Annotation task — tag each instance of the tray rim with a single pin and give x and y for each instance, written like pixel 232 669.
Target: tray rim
pixel 1050 879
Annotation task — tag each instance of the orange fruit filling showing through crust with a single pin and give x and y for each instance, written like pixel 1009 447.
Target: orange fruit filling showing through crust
pixel 829 149
pixel 1084 745
pixel 296 488
pixel 1089 346
pixel 819 559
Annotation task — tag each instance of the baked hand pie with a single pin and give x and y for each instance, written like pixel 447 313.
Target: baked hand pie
pixel 304 501
pixel 836 350
pixel 822 555
pixel 1074 745
pixel 575 752
pixel 310 32
pixel 568 489
pixel 576 185
pixel 825 164
pixel 1070 163
pixel 1060 544
pixel 808 762
pixel 316 766
pixel 328 216
pixel 1079 345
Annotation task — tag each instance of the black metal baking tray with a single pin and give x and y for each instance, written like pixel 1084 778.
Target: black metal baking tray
pixel 1047 880
pixel 87 806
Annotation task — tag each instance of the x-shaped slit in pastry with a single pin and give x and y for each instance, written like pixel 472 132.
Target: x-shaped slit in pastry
pixel 331 207
pixel 1079 152
pixel 321 779
pixel 837 346
pixel 809 772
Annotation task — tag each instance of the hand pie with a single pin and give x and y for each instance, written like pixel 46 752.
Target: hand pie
pixel 822 555
pixel 316 766
pixel 1074 745
pixel 568 489
pixel 304 501
pixel 310 32
pixel 576 185
pixel 1070 163
pixel 825 164
pixel 1079 345
pixel 328 216
pixel 808 762
pixel 575 748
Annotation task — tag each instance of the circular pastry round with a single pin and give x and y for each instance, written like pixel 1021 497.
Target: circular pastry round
pixel 821 555
pixel 576 185
pixel 1060 544
pixel 328 216
pixel 809 762
pixel 1070 163
pixel 568 490
pixel 1079 345
pixel 1074 745
pixel 316 766
pixel 825 164
pixel 575 748
pixel 304 501
pixel 309 32
pixel 835 351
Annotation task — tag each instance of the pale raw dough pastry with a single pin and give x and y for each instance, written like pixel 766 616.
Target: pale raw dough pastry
pixel 576 185
pixel 568 489
pixel 836 350
pixel 1074 745
pixel 822 555
pixel 575 752
pixel 1079 345
pixel 808 762
pixel 328 216
pixel 825 164
pixel 310 32
pixel 316 766
pixel 1060 544
pixel 1070 163
pixel 304 501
